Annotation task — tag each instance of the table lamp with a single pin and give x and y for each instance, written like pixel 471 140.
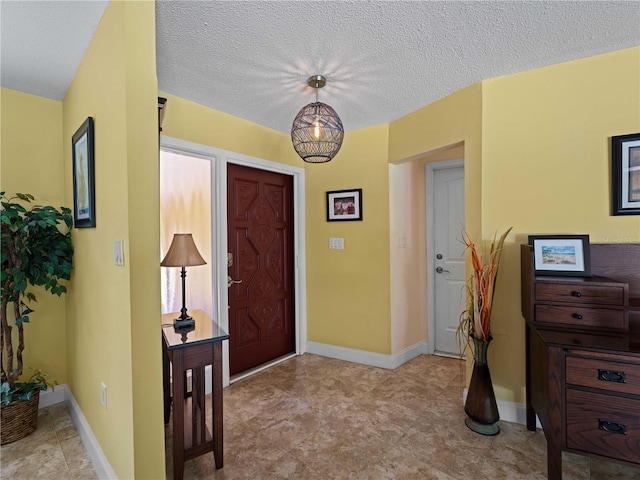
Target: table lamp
pixel 183 253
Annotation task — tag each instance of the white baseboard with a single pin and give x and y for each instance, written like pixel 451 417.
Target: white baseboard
pixel 98 459
pixel 512 412
pixel 62 393
pixel 367 358
pixel 52 396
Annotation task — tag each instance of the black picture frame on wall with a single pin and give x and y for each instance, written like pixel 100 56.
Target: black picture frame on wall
pixel 625 174
pixel 84 190
pixel 344 205
pixel 564 255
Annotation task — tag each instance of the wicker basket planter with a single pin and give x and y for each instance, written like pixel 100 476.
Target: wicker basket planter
pixel 19 419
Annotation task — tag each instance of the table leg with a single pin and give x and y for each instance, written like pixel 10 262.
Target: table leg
pixel 178 414
pixel 554 462
pixel 166 383
pixel 531 414
pixel 216 374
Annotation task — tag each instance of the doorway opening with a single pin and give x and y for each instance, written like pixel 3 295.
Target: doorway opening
pixel 214 221
pixel 260 260
pixel 446 277
pixel 185 207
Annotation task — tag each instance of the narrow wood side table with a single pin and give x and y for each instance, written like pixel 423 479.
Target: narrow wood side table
pixel 193 350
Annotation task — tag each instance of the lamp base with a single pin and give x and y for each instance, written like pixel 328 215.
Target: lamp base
pixel 183 323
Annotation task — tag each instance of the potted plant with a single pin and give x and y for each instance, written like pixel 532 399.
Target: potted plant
pixel 475 324
pixel 36 250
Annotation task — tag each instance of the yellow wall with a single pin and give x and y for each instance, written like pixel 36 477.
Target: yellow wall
pixel 195 123
pixel 348 295
pixel 113 313
pixel 439 126
pixel 546 164
pixel 144 237
pixel 32 162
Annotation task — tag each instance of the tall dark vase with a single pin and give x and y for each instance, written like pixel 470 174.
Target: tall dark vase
pixel 480 405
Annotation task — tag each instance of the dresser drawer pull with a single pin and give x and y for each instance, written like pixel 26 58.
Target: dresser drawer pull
pixel 611 376
pixel 577 316
pixel 576 294
pixel 612 427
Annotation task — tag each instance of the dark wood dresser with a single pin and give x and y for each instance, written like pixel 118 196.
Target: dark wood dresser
pixel 583 356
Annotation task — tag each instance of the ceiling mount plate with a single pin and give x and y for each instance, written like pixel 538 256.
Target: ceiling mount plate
pixel 317 81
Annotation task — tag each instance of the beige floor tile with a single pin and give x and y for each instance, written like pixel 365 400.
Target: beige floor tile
pixel 398 465
pixel 317 418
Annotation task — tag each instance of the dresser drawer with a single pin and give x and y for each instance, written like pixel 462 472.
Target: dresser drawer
pixel 578 316
pixel 604 373
pixel 580 293
pixel 603 424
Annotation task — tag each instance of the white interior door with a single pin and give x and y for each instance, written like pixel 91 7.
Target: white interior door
pixel 448 262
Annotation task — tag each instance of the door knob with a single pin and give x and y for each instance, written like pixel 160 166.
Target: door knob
pixel 441 270
pixel 231 281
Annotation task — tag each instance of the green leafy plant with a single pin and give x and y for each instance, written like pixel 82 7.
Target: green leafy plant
pixel 35 250
pixel 475 320
pixel 39 380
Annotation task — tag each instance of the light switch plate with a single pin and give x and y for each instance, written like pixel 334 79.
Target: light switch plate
pixel 336 243
pixel 118 252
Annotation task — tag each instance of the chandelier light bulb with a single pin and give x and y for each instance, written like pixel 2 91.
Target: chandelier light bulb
pixel 316 129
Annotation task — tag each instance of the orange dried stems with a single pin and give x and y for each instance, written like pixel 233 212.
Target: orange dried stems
pixel 483 284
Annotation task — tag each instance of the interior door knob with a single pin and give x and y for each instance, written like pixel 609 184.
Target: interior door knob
pixel 441 270
pixel 231 281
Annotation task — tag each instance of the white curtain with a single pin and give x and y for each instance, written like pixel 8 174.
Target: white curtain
pixel 185 207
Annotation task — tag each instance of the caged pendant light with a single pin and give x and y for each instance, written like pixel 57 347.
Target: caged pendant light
pixel 317 130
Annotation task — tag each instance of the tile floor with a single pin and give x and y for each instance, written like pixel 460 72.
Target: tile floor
pixel 53 451
pixel 313 418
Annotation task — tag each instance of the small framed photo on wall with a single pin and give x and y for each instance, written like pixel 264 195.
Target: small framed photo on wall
pixel 625 174
pixel 84 190
pixel 344 205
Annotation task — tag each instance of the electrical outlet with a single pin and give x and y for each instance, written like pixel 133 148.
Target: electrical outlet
pixel 103 394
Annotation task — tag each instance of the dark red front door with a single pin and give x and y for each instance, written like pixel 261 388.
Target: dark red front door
pixel 260 240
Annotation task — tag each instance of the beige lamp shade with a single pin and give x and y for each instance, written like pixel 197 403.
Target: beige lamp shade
pixel 182 252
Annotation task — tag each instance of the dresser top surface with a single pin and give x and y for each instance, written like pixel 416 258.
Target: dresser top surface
pixel 627 342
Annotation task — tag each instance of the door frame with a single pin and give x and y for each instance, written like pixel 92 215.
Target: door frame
pixel 219 159
pixel 429 169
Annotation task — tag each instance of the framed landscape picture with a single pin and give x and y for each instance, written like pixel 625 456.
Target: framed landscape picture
pixel 566 255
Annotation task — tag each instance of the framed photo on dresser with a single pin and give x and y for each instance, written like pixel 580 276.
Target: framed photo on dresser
pixel 566 255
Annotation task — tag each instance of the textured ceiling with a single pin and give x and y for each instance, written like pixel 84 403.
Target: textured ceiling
pixel 382 59
pixel 43 42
